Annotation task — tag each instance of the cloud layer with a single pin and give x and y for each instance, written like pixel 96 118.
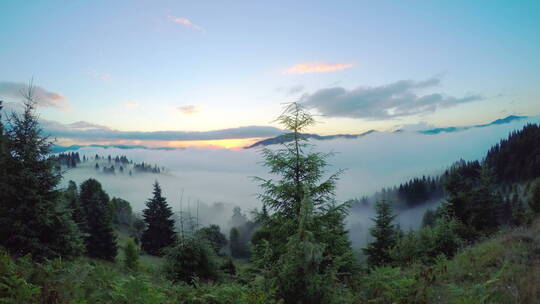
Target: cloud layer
pixel 87 131
pixel 397 99
pixel 12 90
pixel 305 68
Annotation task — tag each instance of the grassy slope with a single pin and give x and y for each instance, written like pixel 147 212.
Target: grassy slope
pixel 502 269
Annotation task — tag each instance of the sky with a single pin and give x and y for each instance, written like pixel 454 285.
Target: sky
pixel 181 73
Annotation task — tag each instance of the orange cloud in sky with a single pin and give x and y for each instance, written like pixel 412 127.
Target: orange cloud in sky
pixel 132 105
pixel 231 143
pixel 186 22
pixel 304 68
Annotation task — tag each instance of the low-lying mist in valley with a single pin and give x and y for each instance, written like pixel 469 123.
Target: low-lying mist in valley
pixel 223 176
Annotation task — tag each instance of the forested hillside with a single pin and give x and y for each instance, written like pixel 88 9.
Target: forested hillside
pixel 78 245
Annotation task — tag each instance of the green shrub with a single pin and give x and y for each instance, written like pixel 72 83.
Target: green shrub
pixel 190 258
pixel 14 288
pixel 389 285
pixel 131 255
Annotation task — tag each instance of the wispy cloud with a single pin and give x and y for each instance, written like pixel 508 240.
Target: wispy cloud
pixel 396 99
pixel 186 22
pixel 305 68
pixel 42 96
pixel 132 104
pixel 99 75
pixel 188 109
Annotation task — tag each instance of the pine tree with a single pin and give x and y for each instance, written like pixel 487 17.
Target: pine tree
pixel 384 236
pixel 299 275
pixel 159 231
pixel 131 255
pixel 100 239
pixel 33 218
pixel 534 202
pixel 235 247
pixel 77 212
pixel 300 173
pixel 3 156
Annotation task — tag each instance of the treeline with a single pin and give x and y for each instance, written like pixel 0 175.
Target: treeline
pixel 122 165
pixel 70 159
pixel 516 158
pixel 106 164
pixel 410 194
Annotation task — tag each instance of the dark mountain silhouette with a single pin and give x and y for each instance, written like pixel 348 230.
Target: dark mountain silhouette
pixel 500 121
pixel 285 138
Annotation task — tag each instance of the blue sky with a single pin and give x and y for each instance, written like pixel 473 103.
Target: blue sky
pixel 207 65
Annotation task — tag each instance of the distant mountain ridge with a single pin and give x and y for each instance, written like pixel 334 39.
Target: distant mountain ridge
pixel 507 119
pixel 60 149
pixel 285 138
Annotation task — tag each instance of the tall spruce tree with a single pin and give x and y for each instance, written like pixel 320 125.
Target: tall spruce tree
pixel 71 195
pixel 3 155
pixel 300 178
pixel 534 201
pixel 159 232
pixel 100 238
pixel 384 234
pixel 33 218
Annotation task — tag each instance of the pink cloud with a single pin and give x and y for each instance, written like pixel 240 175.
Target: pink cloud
pixel 186 22
pixel 305 68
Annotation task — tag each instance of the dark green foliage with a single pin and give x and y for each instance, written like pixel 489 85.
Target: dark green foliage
pixel 414 192
pixel 214 237
pixel 33 217
pixel 420 190
pixel 71 195
pixel 121 211
pixel 534 201
pixel 300 275
pixel 384 235
pixel 69 160
pixel 228 267
pixel 138 228
pixel 190 258
pixel 388 285
pixel 515 159
pixel 100 239
pixel 14 288
pixel 159 232
pixel 131 255
pixel 236 247
pixel 425 245
pixel 244 230
pixel 429 218
pixel 472 200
